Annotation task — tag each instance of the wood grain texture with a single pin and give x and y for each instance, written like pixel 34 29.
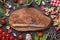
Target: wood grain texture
pixel 29 16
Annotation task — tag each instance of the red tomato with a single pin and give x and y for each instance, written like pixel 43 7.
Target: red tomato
pixel 11 38
pixel 53 12
pixel 56 13
pixel 56 28
pixel 20 37
pixel 15 1
pixel 0 35
pixel 7 36
pixel 57 16
pixel 42 8
pixel 40 34
pixel 47 13
pixel 3 22
pixel 21 2
pixel 3 38
pixel 1 31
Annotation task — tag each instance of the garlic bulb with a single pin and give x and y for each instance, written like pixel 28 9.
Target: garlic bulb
pixel 28 37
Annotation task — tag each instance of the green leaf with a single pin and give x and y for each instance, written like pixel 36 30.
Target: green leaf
pixel 46 0
pixel 7 14
pixel 26 1
pixel 36 36
pixel 59 10
pixel 38 2
pixel 49 10
pixel 59 17
pixel 52 8
pixel 7 27
pixel 44 37
pixel 17 5
pixel 0 25
pixel 56 23
pixel 2 10
pixel 46 9
pixel 4 17
pixel 52 16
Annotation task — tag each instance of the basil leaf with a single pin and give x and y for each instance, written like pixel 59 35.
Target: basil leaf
pixel 38 2
pixel 2 10
pixel 26 1
pixel 36 36
pixel 17 5
pixel 44 37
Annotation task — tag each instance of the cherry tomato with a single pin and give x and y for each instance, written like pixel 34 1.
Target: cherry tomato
pixel 56 28
pixel 11 38
pixel 3 22
pixel 15 1
pixel 1 31
pixel 21 2
pixel 0 35
pixel 3 38
pixel 40 34
pixel 20 37
pixel 57 16
pixel 7 36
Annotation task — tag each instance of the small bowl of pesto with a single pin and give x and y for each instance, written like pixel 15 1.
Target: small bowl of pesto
pixel 27 2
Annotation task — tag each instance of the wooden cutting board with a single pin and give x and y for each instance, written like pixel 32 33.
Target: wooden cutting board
pixel 29 16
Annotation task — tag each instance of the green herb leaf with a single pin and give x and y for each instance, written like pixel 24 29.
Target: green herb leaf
pixel 0 25
pixel 38 2
pixel 17 5
pixel 36 36
pixel 46 9
pixel 52 16
pixel 59 17
pixel 4 17
pixel 46 0
pixel 7 14
pixel 7 27
pixel 26 1
pixel 56 23
pixel 2 10
pixel 44 37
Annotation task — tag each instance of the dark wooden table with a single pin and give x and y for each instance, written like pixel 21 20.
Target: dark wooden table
pixel 50 30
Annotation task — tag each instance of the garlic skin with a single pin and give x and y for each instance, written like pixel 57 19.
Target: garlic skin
pixel 9 6
pixel 28 37
pixel 43 3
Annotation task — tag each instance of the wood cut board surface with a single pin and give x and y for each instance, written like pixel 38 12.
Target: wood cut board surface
pixel 29 16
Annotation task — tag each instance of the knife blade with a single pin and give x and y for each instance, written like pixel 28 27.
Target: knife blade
pixel 29 25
